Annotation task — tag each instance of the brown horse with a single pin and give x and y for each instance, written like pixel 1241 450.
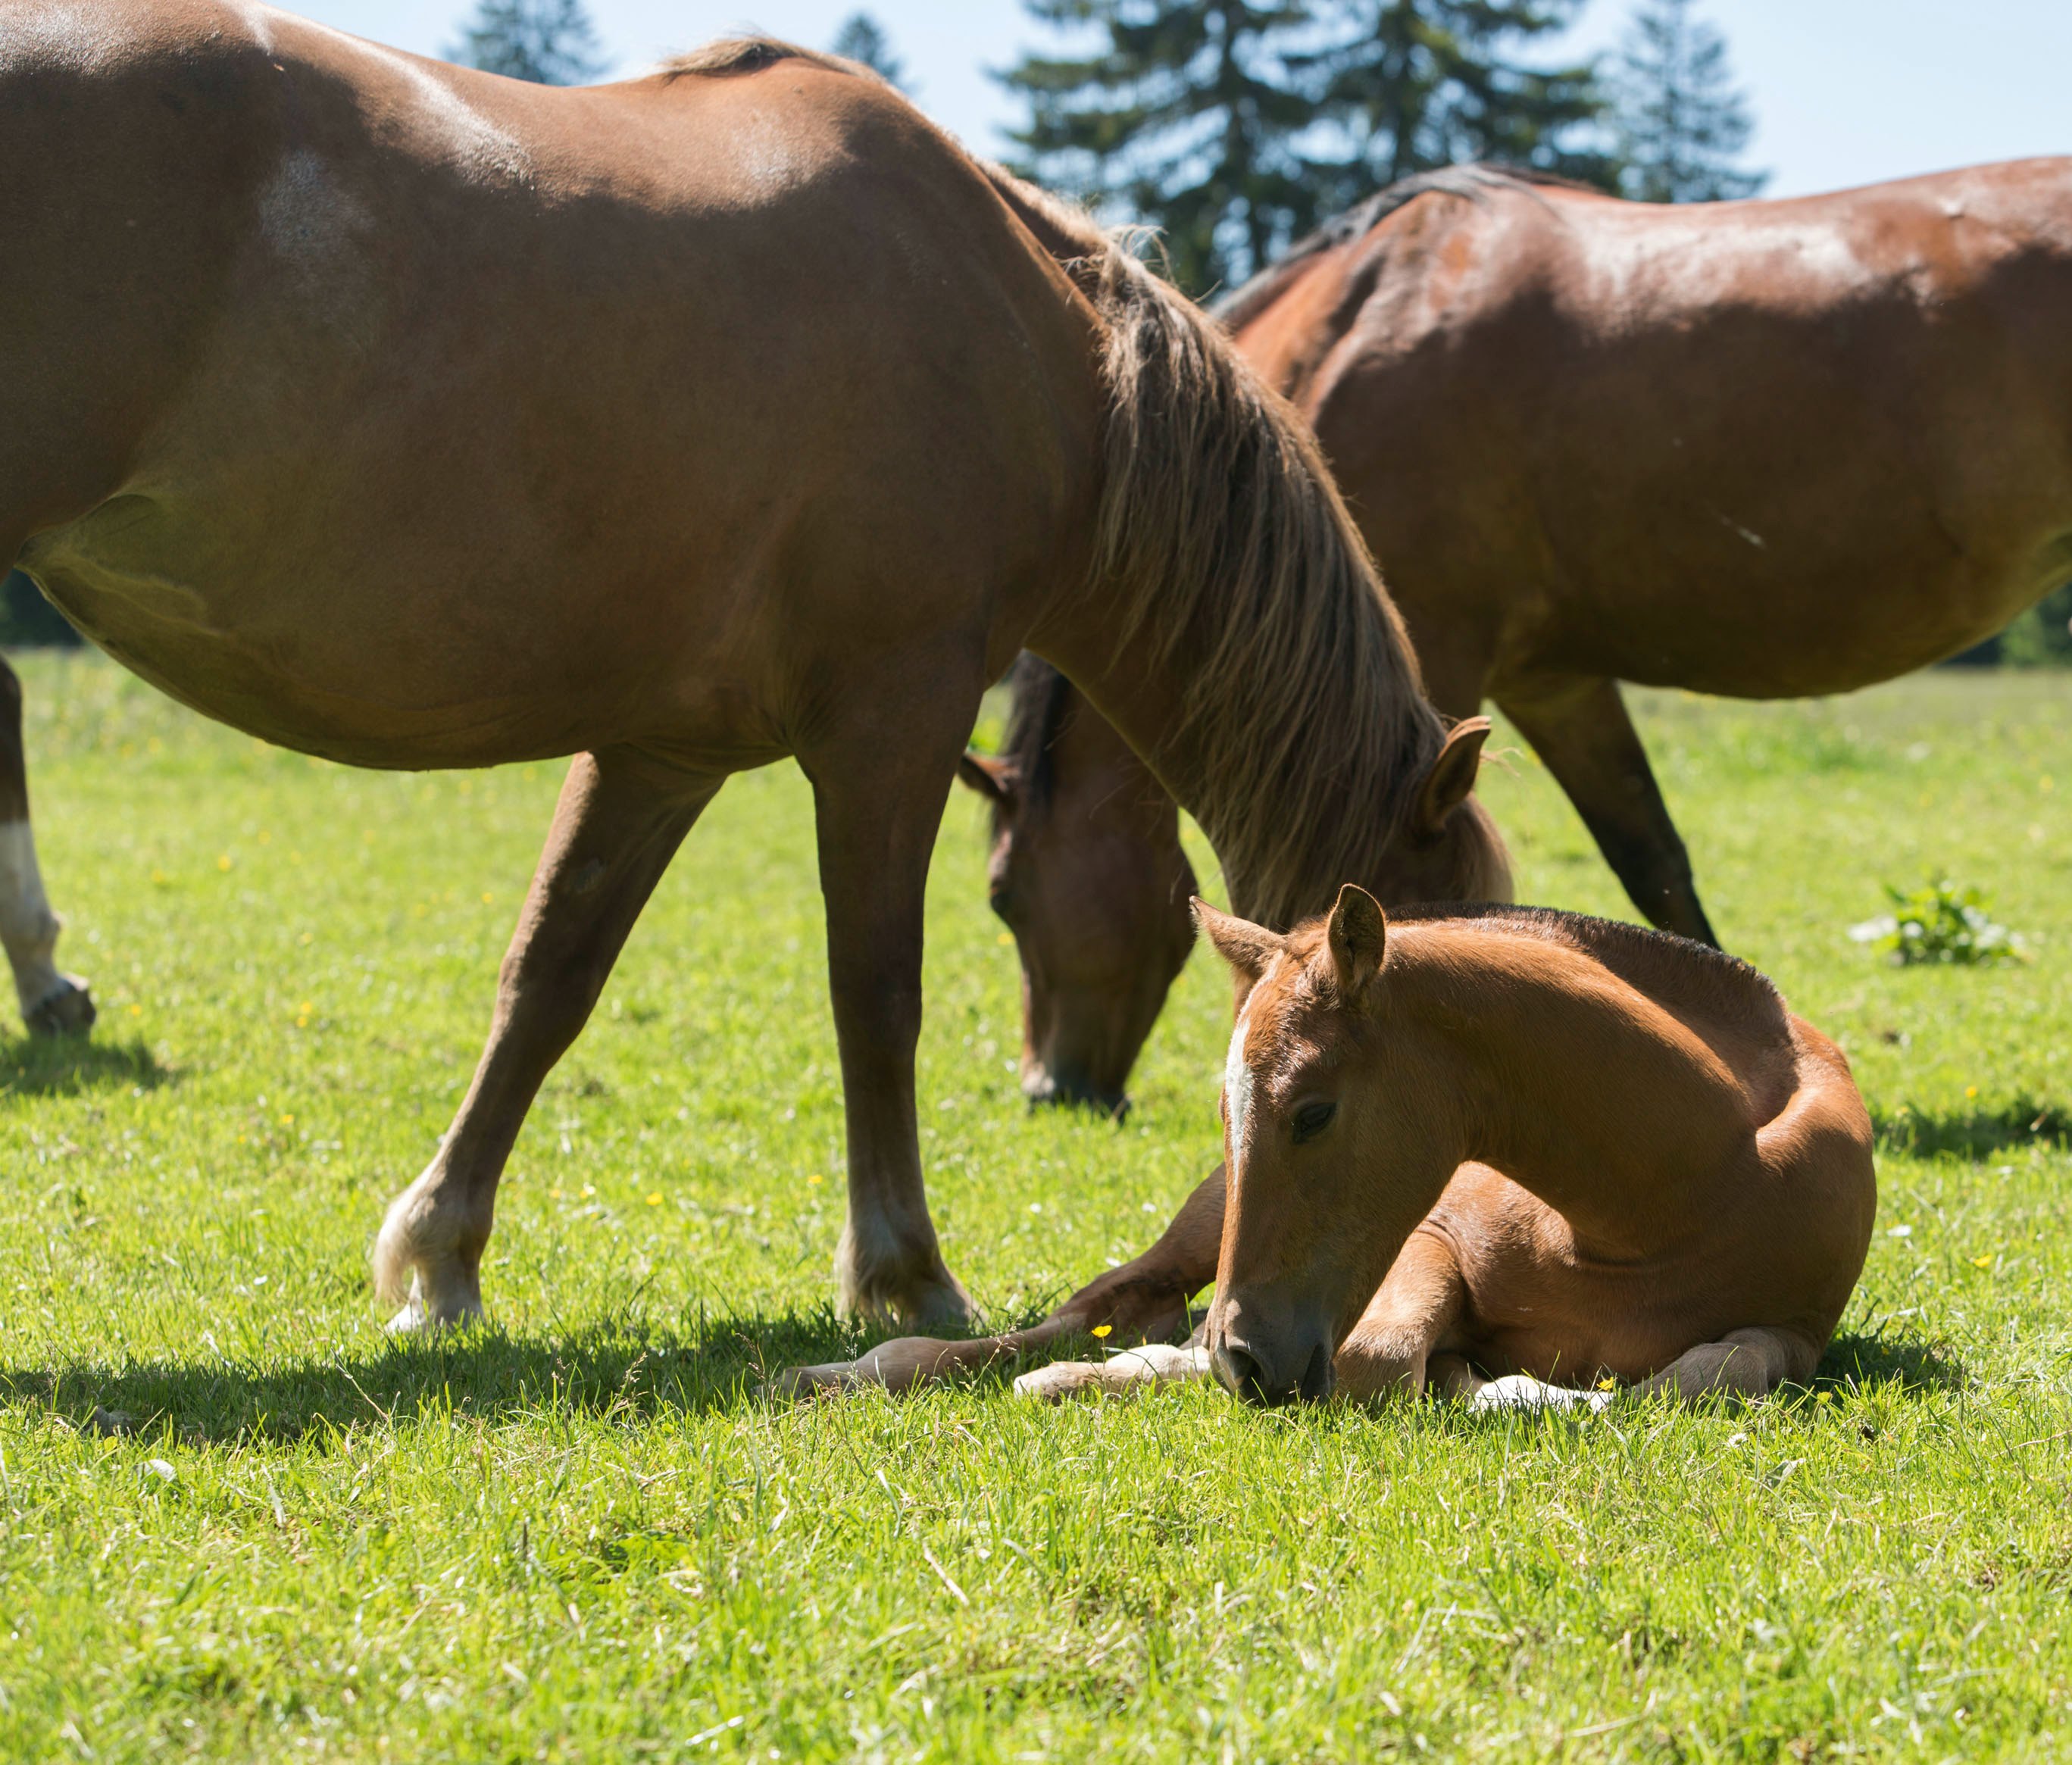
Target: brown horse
pixel 51 1002
pixel 1757 449
pixel 417 417
pixel 1504 1155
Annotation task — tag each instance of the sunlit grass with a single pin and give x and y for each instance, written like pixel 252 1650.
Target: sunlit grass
pixel 578 1535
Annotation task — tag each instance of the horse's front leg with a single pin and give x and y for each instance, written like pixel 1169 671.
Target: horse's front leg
pixel 619 820
pixel 51 1001
pixel 881 776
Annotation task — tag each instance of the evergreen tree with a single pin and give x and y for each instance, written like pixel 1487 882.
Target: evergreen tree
pixel 1428 83
pixel 551 42
pixel 863 39
pixel 1191 114
pixel 1683 122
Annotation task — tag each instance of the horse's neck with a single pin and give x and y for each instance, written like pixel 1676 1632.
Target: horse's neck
pixel 1575 1083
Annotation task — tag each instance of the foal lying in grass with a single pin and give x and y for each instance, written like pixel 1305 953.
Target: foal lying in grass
pixel 1512 1154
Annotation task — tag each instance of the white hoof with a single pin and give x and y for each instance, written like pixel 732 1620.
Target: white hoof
pixel 1155 1363
pixel 1520 1391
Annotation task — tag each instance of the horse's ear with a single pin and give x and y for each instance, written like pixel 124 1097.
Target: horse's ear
pixel 1249 949
pixel 988 775
pixel 1358 935
pixel 1451 777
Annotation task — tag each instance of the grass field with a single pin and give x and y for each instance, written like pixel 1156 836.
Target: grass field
pixel 578 1535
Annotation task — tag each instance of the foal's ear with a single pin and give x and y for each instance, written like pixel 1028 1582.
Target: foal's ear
pixel 1249 949
pixel 1451 776
pixel 988 775
pixel 1358 934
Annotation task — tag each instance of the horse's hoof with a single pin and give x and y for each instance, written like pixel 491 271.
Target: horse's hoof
pixel 931 1304
pixel 416 1318
pixel 67 1010
pixel 806 1382
pixel 1060 1380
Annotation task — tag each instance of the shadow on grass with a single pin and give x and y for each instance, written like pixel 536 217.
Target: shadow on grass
pixel 612 1371
pixel 1969 1133
pixel 66 1065
pixel 1918 1368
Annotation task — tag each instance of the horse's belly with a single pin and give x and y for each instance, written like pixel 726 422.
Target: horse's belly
pixel 392 680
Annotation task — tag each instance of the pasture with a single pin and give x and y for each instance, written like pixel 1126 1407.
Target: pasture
pixel 578 1534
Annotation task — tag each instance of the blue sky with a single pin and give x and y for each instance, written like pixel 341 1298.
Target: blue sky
pixel 1846 92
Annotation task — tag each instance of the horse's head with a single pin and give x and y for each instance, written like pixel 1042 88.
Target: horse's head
pixel 1089 875
pixel 1447 847
pixel 1325 1094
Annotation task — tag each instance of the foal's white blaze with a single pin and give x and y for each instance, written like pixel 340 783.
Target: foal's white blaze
pixel 1237 1086
pixel 28 928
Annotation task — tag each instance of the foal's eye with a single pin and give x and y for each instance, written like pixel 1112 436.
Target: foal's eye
pixel 1312 1119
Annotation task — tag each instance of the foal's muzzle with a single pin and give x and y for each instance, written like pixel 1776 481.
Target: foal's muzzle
pixel 1244 1372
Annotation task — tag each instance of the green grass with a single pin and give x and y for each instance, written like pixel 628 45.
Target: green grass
pixel 579 1535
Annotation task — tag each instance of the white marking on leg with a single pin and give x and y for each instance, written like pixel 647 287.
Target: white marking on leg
pixel 28 928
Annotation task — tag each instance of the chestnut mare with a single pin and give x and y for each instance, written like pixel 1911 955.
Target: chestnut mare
pixel 417 417
pixel 1763 449
pixel 1504 1154
pixel 51 1002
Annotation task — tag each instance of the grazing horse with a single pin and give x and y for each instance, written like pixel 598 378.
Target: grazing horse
pixel 416 418
pixel 51 1002
pixel 1763 449
pixel 1502 1155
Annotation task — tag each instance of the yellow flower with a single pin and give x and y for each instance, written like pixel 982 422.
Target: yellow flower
pixel 223 862
pixel 135 1010
pixel 1822 1397
pixel 815 1179
pixel 1971 1090
pixel 554 1194
pixel 1103 1329
pixel 1607 1385
pixel 1985 1262
pixel 656 1199
pixel 487 897
pixel 1004 939
pixel 287 1120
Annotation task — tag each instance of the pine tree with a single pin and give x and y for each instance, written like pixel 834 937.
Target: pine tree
pixel 1683 122
pixel 863 39
pixel 1428 83
pixel 552 42
pixel 1190 114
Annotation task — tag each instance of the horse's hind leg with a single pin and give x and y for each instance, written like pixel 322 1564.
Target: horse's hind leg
pixel 1745 1363
pixel 1580 729
pixel 619 820
pixel 51 1002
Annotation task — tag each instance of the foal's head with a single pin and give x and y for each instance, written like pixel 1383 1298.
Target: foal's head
pixel 1328 1089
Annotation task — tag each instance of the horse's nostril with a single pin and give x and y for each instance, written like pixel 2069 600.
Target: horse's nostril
pixel 1238 1372
pixel 1317 1376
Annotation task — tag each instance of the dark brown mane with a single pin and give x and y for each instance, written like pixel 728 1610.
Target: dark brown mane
pixel 750 55
pixel 1035 714
pixel 1223 541
pixel 1242 305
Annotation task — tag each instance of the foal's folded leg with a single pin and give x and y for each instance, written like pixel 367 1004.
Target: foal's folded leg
pixel 1394 1348
pixel 619 820
pixel 1142 1300
pixel 1746 1364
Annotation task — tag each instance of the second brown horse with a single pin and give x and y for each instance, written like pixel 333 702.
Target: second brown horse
pixel 1764 450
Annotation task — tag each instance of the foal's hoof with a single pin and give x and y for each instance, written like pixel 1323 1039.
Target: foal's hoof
pixel 67 1010
pixel 1521 1392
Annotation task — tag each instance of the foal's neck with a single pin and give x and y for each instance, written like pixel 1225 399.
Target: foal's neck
pixel 1603 1099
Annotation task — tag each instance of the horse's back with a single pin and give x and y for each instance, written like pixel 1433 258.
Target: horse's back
pixel 1845 421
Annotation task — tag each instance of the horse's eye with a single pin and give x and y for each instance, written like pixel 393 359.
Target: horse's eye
pixel 1312 1119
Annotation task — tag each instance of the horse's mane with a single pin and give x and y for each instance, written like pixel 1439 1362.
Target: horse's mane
pixel 750 54
pixel 1221 534
pixel 1237 308
pixel 1712 975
